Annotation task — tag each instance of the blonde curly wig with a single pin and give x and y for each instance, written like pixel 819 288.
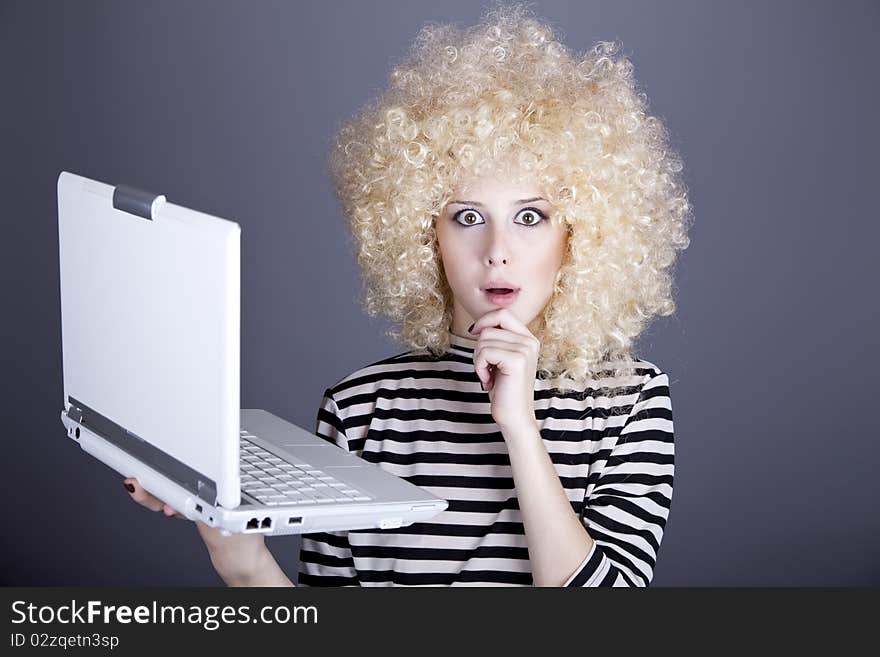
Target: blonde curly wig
pixel 506 95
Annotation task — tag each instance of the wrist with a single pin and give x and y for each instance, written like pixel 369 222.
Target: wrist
pixel 239 568
pixel 523 430
pixel 236 557
pixel 264 572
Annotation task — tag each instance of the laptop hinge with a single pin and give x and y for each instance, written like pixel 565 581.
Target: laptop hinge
pixel 136 201
pixel 179 472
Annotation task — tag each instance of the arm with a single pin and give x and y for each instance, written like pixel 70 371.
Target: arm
pixel 625 513
pixel 240 560
pixel 244 559
pixel 557 540
pixel 325 557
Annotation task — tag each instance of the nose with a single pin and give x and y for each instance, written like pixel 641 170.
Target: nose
pixel 498 251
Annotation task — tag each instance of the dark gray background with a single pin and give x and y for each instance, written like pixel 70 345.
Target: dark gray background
pixel 229 107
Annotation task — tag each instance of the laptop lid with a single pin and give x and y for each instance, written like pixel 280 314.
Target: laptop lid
pixel 150 321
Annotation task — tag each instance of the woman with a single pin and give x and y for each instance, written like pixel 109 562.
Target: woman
pixel 517 214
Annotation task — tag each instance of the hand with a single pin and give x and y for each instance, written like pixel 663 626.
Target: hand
pixel 506 362
pixel 236 558
pixel 140 495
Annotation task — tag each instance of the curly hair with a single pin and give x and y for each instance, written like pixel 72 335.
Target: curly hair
pixel 505 94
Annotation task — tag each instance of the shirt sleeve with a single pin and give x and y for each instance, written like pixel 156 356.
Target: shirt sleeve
pixel 325 558
pixel 626 512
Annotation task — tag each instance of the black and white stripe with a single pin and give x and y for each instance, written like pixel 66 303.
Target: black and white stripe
pixel 427 420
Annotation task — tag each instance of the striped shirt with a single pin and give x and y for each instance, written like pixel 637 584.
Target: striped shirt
pixel 425 418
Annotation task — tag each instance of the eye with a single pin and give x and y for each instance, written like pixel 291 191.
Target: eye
pixel 532 216
pixel 467 217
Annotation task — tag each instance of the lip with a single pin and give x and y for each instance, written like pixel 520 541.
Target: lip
pixel 502 299
pixel 498 284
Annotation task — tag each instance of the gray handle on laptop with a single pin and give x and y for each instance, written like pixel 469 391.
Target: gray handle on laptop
pixel 136 201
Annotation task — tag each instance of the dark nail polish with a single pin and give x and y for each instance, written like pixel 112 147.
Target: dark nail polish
pixel 130 487
pixel 471 328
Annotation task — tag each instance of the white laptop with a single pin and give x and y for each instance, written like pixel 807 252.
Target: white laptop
pixel 150 302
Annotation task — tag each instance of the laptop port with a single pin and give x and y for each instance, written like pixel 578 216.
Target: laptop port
pixel 198 508
pixel 253 523
pixel 267 522
pixel 295 520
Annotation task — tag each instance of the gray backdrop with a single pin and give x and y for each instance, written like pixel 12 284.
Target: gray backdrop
pixel 229 107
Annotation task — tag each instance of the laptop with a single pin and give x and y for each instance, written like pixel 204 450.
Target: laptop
pixel 150 323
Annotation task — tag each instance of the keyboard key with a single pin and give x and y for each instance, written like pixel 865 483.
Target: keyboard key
pixel 273 480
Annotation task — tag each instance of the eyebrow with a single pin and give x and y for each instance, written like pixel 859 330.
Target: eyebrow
pixel 480 205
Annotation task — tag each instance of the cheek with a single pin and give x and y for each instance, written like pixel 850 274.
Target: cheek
pixel 452 246
pixel 451 259
pixel 550 259
pixel 456 268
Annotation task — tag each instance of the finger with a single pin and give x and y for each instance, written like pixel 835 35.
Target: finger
pixel 491 357
pixel 483 368
pixel 168 511
pixel 500 349
pixel 501 338
pixel 142 497
pixel 502 318
pixel 500 335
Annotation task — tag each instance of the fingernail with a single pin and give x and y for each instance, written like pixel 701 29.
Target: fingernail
pixel 130 487
pixel 471 328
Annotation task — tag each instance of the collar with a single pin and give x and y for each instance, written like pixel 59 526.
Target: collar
pixel 461 345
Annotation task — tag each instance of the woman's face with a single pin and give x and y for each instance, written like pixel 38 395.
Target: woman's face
pixel 495 234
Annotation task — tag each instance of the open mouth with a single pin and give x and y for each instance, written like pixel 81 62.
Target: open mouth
pixel 501 295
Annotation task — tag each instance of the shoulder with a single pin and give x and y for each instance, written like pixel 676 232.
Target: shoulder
pixel 617 390
pixel 645 374
pixel 648 381
pixel 650 407
pixel 651 378
pixel 612 379
pixel 647 367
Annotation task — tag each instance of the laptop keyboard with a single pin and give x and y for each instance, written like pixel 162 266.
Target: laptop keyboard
pixel 274 481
